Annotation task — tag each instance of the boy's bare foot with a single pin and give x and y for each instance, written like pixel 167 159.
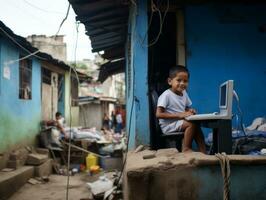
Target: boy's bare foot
pixel 187 150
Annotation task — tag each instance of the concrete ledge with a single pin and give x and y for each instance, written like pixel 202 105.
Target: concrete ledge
pixel 10 182
pixel 171 158
pixel 170 175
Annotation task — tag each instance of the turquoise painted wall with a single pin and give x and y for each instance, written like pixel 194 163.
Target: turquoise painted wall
pixel 227 41
pixel 19 119
pixel 137 72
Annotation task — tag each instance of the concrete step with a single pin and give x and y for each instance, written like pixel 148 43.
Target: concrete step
pixel 10 182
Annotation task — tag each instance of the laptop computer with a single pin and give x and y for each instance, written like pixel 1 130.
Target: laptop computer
pixel 225 104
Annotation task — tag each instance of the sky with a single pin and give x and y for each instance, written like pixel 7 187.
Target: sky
pixel 43 17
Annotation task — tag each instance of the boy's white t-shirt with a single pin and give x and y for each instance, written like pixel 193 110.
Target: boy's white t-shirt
pixel 172 103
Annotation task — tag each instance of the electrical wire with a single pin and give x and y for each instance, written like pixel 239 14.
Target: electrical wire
pixel 17 43
pixel 240 121
pixel 129 130
pixel 155 9
pixel 161 23
pixel 70 109
pixel 61 24
pixel 41 9
pixel 25 49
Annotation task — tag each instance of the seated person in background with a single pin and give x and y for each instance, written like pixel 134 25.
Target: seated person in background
pixel 59 123
pixel 174 105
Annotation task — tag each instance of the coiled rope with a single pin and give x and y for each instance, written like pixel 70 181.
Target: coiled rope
pixel 225 168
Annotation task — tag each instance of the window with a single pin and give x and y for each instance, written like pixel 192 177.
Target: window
pixel 46 76
pixel 25 78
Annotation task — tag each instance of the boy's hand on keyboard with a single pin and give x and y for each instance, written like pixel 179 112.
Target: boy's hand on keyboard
pixel 185 114
pixel 193 111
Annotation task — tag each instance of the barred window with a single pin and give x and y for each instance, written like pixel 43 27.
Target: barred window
pixel 25 78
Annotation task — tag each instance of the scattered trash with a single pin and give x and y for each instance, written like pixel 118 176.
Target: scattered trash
pixel 139 148
pixel 109 193
pixel 94 169
pixel 45 178
pixel 263 151
pixel 149 155
pixel 91 160
pixel 256 123
pixel 33 181
pixel 7 169
pixel 100 186
pixel 74 171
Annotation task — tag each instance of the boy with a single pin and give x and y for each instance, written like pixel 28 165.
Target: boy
pixel 174 105
pixel 60 123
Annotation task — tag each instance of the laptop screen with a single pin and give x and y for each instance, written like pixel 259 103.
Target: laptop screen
pixel 223 94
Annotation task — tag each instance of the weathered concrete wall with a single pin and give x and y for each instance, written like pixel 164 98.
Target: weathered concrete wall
pixel 19 118
pixel 91 115
pixel 177 176
pixel 50 44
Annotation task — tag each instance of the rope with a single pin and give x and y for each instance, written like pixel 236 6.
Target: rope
pixel 225 168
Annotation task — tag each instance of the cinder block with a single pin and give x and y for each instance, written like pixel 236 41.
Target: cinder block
pixel 42 151
pixel 3 160
pixel 44 169
pixel 14 164
pixel 20 154
pixel 36 159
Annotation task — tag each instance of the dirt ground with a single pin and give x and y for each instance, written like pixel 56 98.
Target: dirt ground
pixel 55 189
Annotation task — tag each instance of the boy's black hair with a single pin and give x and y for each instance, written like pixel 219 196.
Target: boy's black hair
pixel 57 114
pixel 176 69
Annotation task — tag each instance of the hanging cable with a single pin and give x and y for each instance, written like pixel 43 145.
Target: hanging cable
pixel 161 22
pixel 25 49
pixel 17 43
pixel 155 9
pixel 41 9
pixel 70 109
pixel 61 24
pixel 240 113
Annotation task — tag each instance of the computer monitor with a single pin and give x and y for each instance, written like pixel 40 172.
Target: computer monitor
pixel 226 98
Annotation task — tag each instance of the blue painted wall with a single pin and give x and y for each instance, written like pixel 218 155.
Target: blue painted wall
pixel 19 119
pixel 137 84
pixel 224 42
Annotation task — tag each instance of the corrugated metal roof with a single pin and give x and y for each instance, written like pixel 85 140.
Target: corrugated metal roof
pixel 106 24
pixel 111 68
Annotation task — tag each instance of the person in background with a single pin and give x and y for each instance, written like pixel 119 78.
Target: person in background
pixel 113 120
pixel 106 122
pixel 60 123
pixel 119 122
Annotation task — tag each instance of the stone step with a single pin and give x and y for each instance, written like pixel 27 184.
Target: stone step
pixel 10 182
